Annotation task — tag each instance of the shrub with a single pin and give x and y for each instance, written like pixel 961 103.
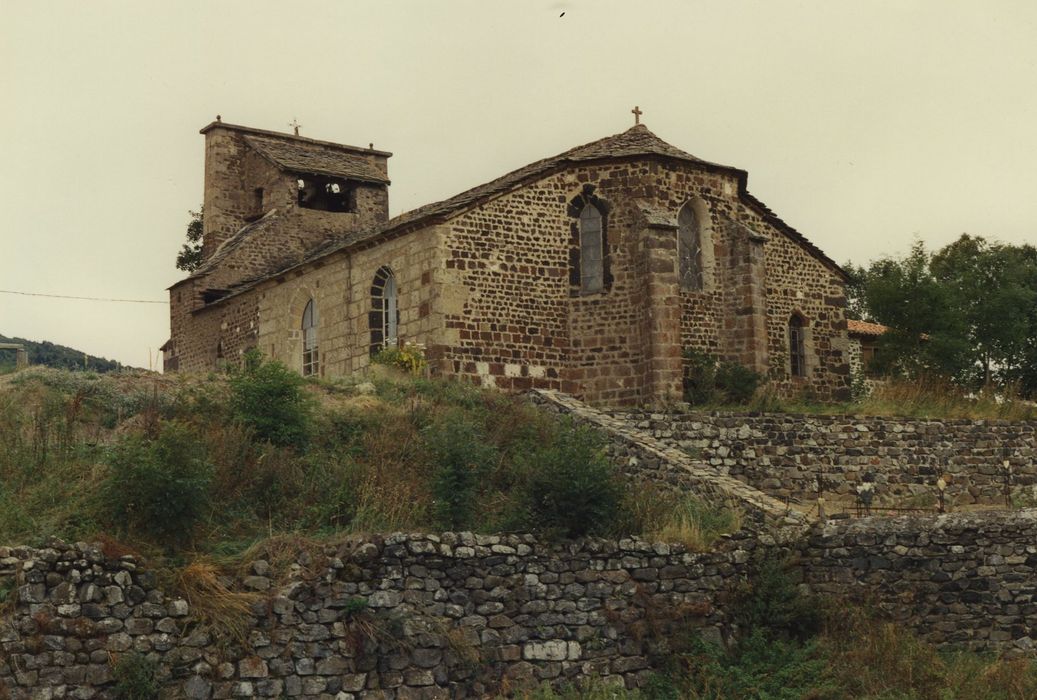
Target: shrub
pixel 158 487
pixel 760 667
pixel 269 399
pixel 571 489
pixel 772 604
pixel 410 358
pixel 700 370
pixel 462 456
pixel 134 676
pixel 708 380
pixel 736 383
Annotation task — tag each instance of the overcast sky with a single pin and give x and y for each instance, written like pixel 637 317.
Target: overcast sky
pixel 862 124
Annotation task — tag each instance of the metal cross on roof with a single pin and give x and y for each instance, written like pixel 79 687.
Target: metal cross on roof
pixel 636 111
pixel 295 125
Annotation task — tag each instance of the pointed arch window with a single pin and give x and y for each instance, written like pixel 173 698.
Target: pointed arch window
pixel 689 249
pixel 310 351
pixel 592 259
pixel 797 346
pixel 384 319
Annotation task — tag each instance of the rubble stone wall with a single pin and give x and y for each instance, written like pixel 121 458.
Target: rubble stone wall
pixel 962 579
pixel 462 615
pixel 783 454
pixel 406 616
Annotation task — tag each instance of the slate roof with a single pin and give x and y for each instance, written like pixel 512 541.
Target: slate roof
pixel 301 156
pixel 865 328
pixel 637 141
pixel 247 232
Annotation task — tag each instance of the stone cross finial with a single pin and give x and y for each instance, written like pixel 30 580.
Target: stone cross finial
pixel 636 111
pixel 295 125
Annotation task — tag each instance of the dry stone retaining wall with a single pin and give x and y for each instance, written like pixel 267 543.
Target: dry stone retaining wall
pixel 965 579
pixel 782 454
pixel 405 616
pixel 643 457
pixel 456 615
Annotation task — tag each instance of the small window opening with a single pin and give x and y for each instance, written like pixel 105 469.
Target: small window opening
pixel 326 194
pixel 797 347
pixel 689 249
pixel 384 319
pixel 257 200
pixel 310 353
pixel 592 270
pixel 219 350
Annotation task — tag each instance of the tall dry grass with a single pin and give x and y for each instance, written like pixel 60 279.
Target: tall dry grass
pixel 224 612
pixel 667 516
pixel 934 397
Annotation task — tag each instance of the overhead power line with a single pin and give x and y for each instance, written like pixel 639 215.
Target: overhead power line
pixel 65 296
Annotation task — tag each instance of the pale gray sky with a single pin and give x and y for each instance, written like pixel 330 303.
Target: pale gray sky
pixel 862 124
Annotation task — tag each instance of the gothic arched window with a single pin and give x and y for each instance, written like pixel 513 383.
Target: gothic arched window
pixel 310 353
pixel 797 346
pixel 592 260
pixel 689 249
pixel 384 318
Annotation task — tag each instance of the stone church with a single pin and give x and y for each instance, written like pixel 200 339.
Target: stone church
pixel 588 272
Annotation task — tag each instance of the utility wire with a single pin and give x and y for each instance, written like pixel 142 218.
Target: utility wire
pixel 64 296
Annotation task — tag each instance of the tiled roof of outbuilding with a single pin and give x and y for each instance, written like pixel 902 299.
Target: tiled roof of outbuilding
pixel 302 156
pixel 865 328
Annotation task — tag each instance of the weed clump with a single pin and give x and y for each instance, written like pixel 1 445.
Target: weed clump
pixel 410 359
pixel 134 676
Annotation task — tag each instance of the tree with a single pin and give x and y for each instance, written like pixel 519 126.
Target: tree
pixel 926 327
pixel 967 311
pixel 190 256
pixel 994 285
pixel 856 303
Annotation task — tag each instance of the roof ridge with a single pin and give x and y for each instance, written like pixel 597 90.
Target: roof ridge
pixel 291 137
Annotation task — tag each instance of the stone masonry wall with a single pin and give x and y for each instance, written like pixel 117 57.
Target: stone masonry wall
pixel 641 457
pixel 461 615
pixel 782 454
pixel 405 616
pixel 518 324
pixel 958 579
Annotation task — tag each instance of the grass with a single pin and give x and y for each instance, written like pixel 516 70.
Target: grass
pixel 225 612
pixel 373 461
pixel 926 397
pixel 667 516
pixel 855 655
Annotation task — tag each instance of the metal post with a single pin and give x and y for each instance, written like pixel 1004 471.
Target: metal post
pixel 1006 464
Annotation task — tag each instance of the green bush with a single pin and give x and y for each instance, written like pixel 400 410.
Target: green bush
pixel 571 488
pixel 772 604
pixel 157 487
pixel 709 381
pixel 134 676
pixel 759 668
pixel 269 399
pixel 737 383
pixel 462 458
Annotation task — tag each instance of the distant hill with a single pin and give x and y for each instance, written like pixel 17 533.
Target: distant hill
pixel 53 355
